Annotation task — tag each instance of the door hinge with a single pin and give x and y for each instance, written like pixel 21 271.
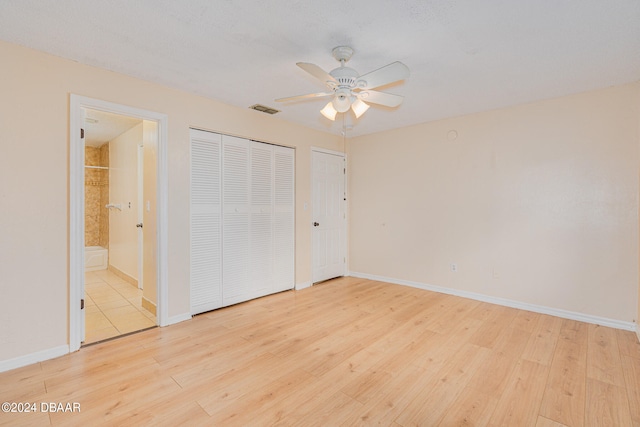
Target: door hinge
pixel 81 133
pixel 82 304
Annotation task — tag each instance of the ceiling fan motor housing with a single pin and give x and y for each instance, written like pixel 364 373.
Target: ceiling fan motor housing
pixel 345 76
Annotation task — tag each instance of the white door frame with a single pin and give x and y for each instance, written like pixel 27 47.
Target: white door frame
pixel 140 213
pixel 346 207
pixel 76 208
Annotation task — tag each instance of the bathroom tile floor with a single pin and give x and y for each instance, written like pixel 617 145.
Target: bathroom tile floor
pixel 112 307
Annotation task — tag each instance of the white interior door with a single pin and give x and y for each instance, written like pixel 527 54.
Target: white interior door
pixel 329 218
pixel 149 204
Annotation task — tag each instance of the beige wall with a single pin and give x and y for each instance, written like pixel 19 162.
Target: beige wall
pixel 34 158
pixel 123 191
pixel 537 203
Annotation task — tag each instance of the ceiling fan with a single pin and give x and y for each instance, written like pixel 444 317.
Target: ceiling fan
pixel 351 90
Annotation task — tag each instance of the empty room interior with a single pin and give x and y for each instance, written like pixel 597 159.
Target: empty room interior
pixel 332 213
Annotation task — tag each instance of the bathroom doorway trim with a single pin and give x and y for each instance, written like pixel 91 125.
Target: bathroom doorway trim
pixel 76 208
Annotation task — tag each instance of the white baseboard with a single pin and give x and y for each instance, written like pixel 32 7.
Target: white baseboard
pixel 38 356
pixel 565 314
pixel 302 285
pixel 178 318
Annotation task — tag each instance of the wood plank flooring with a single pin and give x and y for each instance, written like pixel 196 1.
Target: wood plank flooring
pixel 343 353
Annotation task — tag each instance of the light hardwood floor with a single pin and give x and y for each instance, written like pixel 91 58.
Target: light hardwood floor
pixel 346 352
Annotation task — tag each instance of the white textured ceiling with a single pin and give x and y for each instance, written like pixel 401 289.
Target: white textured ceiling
pixel 464 56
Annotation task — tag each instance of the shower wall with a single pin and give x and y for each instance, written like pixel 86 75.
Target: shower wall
pixel 96 196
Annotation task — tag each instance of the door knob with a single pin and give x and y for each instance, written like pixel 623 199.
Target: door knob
pixel 315 224
pixel 139 225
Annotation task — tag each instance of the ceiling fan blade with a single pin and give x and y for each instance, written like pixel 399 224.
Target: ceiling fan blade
pixel 318 73
pixel 381 98
pixel 382 76
pixel 308 96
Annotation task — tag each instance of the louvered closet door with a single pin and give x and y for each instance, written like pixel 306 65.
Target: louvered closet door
pixel 235 229
pixel 206 273
pixel 284 219
pixel 261 218
pixel 242 220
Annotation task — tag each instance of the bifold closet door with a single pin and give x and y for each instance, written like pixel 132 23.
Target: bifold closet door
pixel 242 220
pixel 283 219
pixel 235 229
pixel 261 219
pixel 206 266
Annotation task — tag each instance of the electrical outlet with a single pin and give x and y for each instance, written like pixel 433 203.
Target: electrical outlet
pixel 454 267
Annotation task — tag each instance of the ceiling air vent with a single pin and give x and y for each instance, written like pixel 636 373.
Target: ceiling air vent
pixel 264 109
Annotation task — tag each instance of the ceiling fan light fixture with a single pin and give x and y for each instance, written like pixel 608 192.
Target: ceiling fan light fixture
pixel 342 101
pixel 329 112
pixel 359 107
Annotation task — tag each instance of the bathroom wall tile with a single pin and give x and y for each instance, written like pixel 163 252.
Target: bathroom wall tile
pixel 96 197
pixel 104 197
pixel 91 156
pixel 104 155
pixel 92 215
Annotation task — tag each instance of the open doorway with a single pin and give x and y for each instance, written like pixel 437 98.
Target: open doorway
pixel 117 220
pixel 116 302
